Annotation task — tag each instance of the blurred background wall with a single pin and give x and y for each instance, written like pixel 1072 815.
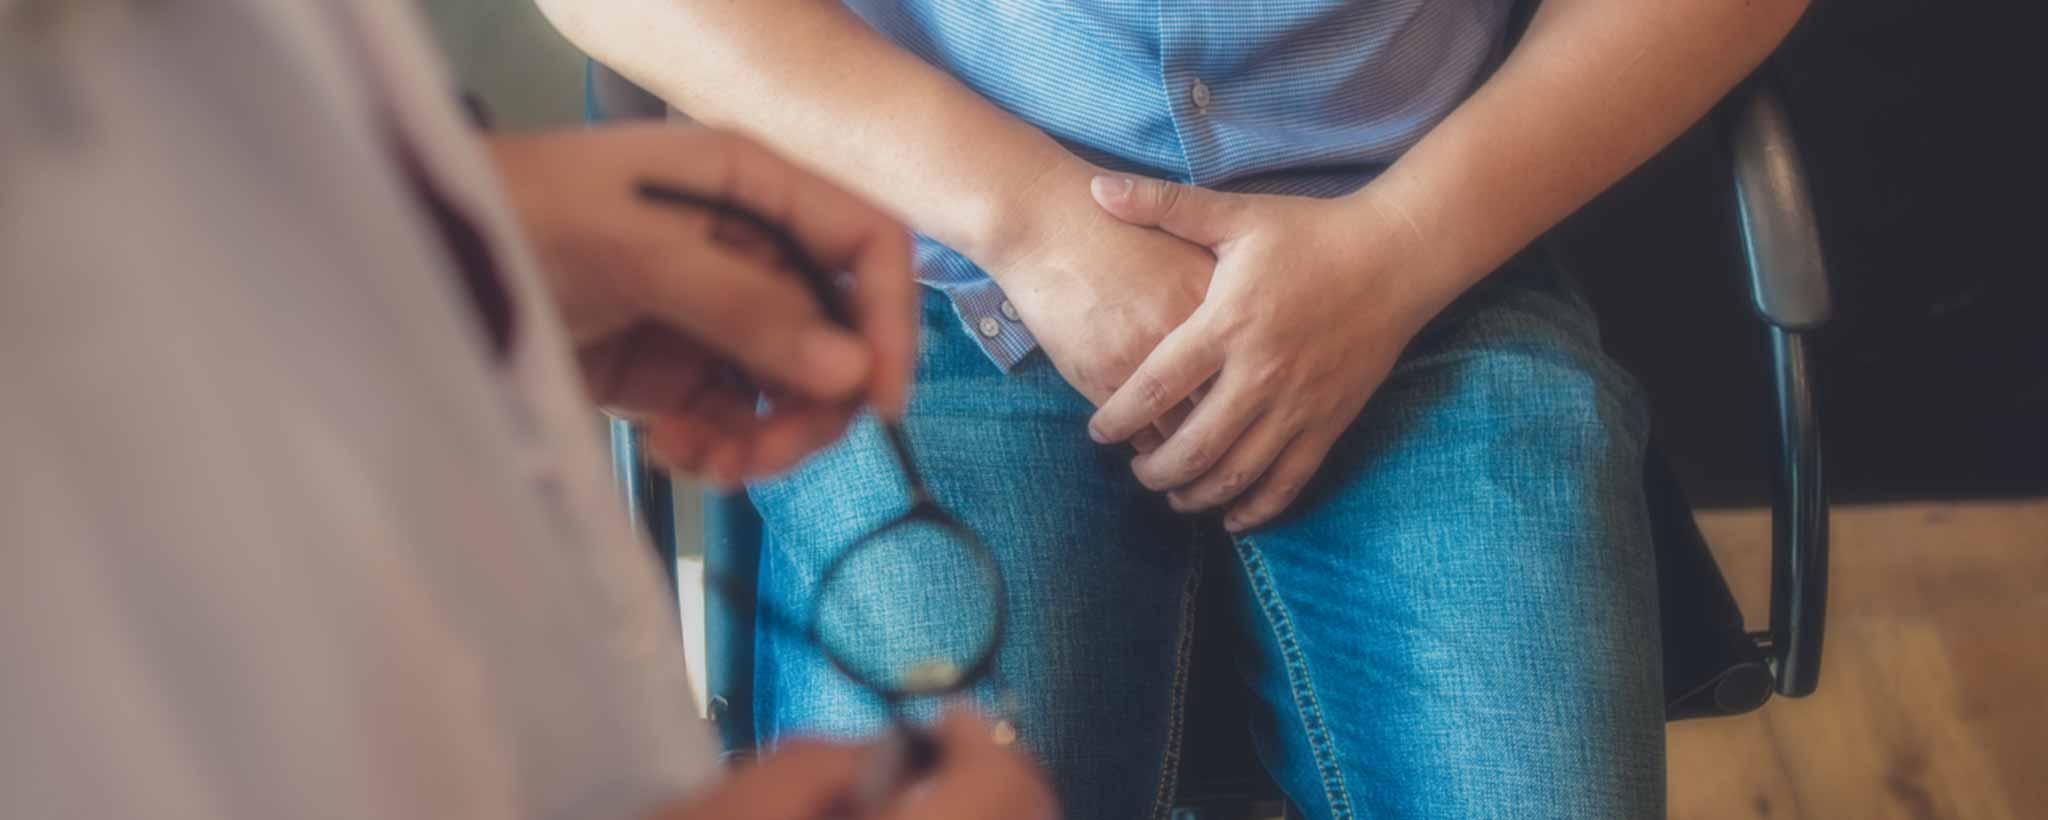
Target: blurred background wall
pixel 505 52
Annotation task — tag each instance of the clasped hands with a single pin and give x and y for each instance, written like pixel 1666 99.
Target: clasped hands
pixel 1230 338
pixel 1233 362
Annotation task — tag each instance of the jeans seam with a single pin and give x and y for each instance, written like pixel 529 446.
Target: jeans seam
pixel 1169 765
pixel 1299 682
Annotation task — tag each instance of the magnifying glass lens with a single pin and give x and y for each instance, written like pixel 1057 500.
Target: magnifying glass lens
pixel 912 610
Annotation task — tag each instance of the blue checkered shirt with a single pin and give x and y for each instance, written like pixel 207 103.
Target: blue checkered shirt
pixel 1303 97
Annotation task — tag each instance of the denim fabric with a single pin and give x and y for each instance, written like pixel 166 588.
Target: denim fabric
pixel 1458 619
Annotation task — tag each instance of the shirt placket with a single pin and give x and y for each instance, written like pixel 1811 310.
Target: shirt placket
pixel 1191 97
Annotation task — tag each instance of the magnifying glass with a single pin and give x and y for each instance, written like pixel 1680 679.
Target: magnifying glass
pixel 914 610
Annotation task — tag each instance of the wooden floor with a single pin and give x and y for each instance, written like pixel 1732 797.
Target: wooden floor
pixel 1933 699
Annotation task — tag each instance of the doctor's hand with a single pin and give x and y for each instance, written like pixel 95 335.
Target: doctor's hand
pixel 684 321
pixel 975 778
pixel 1312 301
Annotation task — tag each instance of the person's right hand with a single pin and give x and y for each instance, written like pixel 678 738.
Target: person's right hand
pixel 1099 294
pixel 976 779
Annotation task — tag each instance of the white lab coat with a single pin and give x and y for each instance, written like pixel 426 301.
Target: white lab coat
pixel 279 537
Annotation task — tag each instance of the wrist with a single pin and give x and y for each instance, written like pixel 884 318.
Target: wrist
pixel 1040 213
pixel 1435 266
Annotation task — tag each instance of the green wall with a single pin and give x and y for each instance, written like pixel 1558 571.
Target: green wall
pixel 505 51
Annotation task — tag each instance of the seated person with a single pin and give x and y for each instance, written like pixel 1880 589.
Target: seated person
pixel 1275 248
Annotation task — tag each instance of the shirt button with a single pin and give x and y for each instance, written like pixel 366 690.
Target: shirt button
pixel 1010 312
pixel 989 326
pixel 1201 94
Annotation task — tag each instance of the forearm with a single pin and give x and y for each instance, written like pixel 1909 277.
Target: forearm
pixel 1595 88
pixel 812 80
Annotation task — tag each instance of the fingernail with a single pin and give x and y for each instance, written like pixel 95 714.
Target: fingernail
pixel 1234 524
pixel 1097 434
pixel 839 362
pixel 1112 188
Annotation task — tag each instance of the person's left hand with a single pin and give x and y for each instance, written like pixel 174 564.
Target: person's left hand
pixel 1312 301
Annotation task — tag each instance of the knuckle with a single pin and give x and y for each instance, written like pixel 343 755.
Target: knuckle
pixel 1160 474
pixel 1167 197
pixel 1267 372
pixel 1119 360
pixel 1090 377
pixel 1226 322
pixel 1117 368
pixel 1283 493
pixel 1191 462
pixel 1151 390
pixel 1151 477
pixel 1232 208
pixel 1291 416
pixel 1274 497
pixel 1255 511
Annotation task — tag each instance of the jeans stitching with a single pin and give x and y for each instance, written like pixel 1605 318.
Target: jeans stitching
pixel 1169 766
pixel 1321 745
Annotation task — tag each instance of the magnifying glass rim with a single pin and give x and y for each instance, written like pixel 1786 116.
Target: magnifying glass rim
pixel 928 512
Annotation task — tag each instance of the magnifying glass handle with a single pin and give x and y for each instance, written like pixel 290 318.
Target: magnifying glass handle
pixel 905 755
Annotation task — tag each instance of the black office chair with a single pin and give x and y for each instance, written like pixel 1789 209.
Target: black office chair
pixel 1712 665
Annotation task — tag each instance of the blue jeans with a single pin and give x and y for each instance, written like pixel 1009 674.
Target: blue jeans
pixel 1458 618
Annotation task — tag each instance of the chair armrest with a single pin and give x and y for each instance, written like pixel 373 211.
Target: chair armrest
pixel 1799 523
pixel 1781 240
pixel 1789 286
